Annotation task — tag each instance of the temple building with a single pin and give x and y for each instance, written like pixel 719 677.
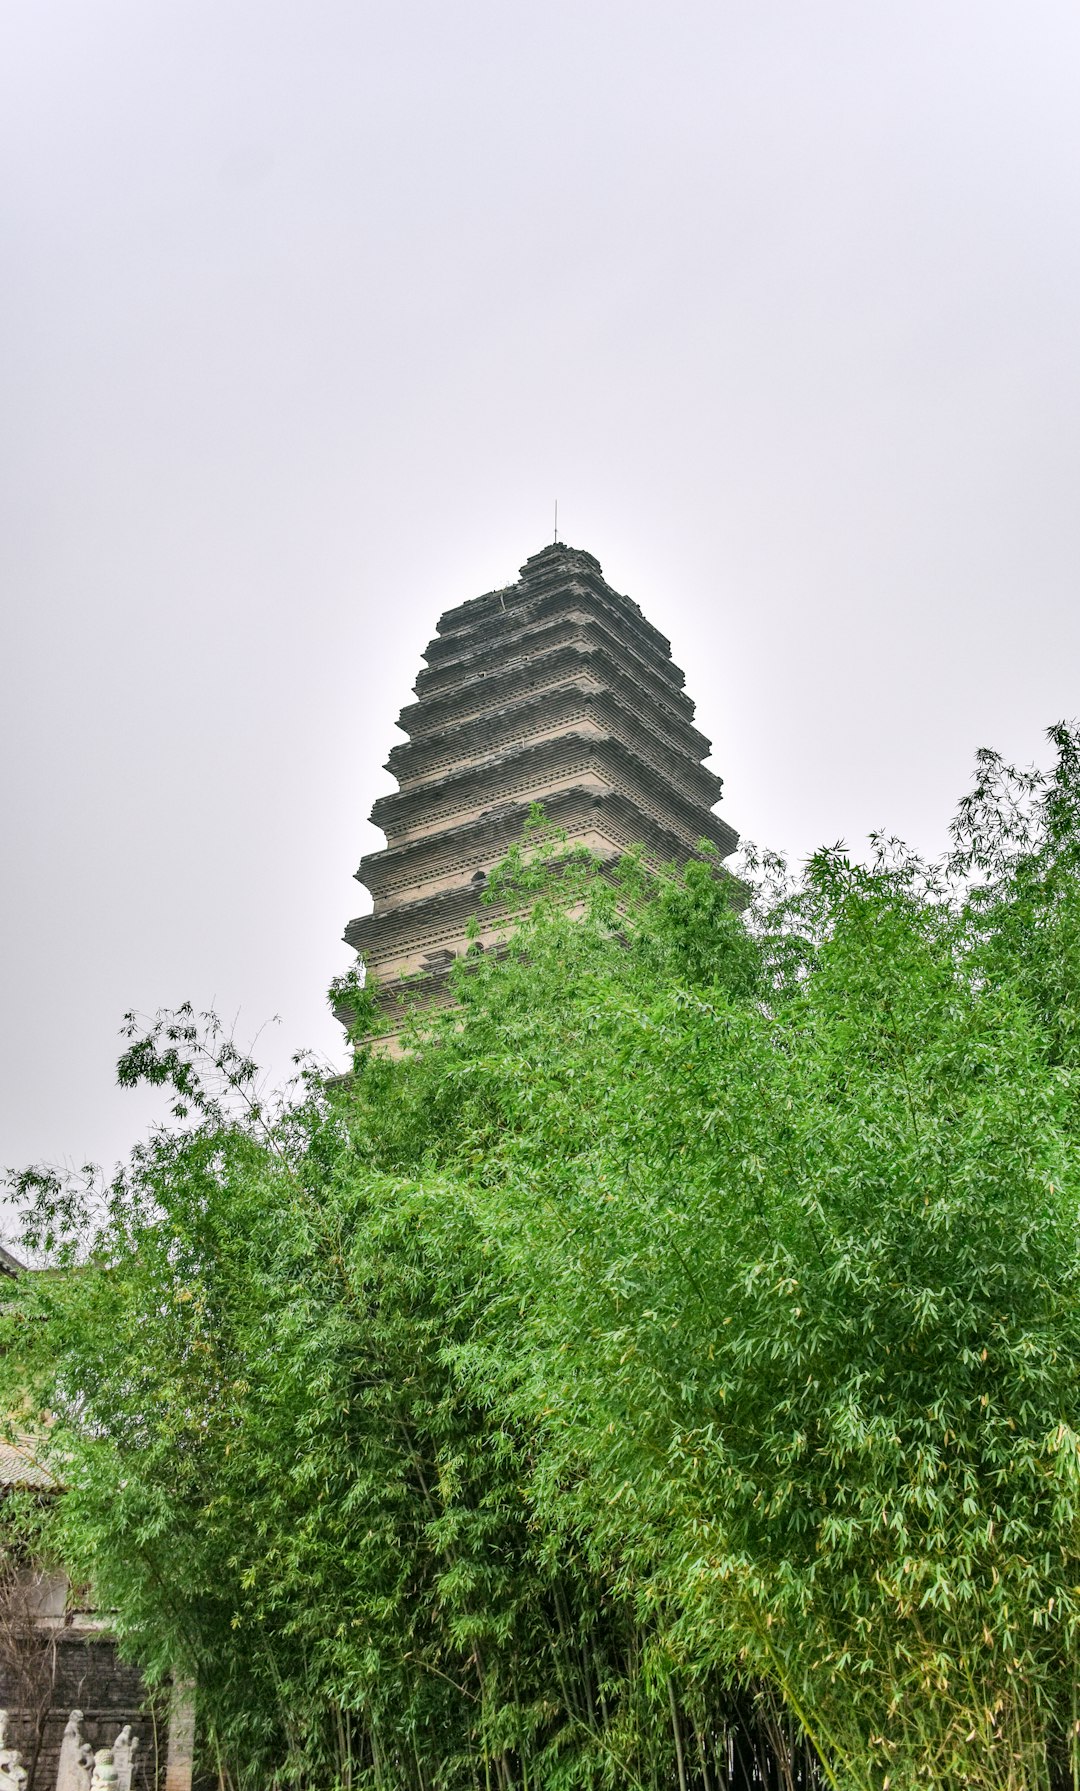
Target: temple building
pixel 553 690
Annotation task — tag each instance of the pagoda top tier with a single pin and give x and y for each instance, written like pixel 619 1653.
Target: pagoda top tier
pixel 552 568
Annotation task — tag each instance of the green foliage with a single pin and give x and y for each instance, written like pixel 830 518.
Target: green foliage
pixel 693 1307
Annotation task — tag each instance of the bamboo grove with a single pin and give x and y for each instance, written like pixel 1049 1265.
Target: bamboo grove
pixel 664 1375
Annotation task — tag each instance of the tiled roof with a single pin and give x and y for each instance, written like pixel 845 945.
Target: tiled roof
pixel 18 1466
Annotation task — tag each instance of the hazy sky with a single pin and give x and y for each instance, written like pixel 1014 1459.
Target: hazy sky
pixel 309 312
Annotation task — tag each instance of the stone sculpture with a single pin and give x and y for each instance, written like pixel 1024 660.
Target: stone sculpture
pixel 124 1749
pixel 105 1774
pixel 12 1770
pixel 76 1757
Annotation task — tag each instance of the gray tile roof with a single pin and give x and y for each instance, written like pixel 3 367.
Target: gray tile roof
pixel 19 1466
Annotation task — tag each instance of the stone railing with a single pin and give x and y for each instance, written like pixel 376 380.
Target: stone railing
pixel 110 1769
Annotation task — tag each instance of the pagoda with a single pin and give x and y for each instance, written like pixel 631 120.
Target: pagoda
pixel 554 690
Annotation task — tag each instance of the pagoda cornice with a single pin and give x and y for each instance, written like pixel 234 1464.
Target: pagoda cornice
pixel 507 650
pixel 547 571
pixel 484 690
pixel 617 827
pixel 427 807
pixel 455 849
pixel 568 599
pixel 419 763
pixel 586 668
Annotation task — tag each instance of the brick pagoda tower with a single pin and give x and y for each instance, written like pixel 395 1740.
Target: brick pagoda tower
pixel 554 690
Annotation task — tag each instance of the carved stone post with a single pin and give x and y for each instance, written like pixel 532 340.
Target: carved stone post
pixel 76 1760
pixel 124 1749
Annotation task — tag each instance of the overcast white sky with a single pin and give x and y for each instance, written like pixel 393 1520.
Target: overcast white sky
pixel 309 312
